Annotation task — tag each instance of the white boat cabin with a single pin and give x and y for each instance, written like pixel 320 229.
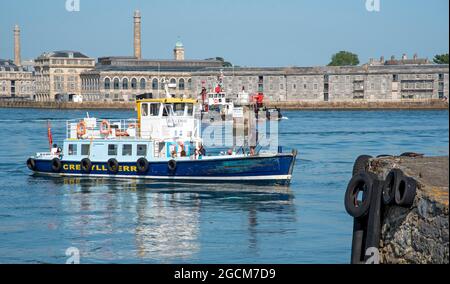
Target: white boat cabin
pixel 164 129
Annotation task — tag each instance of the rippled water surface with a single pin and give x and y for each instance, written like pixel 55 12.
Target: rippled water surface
pixel 143 222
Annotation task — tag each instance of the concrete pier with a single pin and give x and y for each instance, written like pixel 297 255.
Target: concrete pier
pixel 419 234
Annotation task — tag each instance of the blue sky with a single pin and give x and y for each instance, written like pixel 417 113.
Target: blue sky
pixel 245 32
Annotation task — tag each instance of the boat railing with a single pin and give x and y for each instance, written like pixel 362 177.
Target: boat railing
pixel 46 155
pixel 92 128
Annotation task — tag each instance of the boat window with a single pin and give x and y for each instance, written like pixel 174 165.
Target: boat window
pixel 154 109
pixel 85 149
pixel 190 109
pixel 178 109
pixel 112 150
pixel 166 110
pixel 127 150
pixel 72 149
pixel 144 110
pixel 142 150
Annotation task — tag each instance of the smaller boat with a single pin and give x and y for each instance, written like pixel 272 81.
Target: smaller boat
pixel 216 103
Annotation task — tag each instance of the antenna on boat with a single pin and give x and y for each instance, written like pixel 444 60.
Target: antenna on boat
pixel 166 88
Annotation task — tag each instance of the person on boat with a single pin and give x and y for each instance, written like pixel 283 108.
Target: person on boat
pixel 252 150
pixel 202 150
pixel 56 151
pixel 183 153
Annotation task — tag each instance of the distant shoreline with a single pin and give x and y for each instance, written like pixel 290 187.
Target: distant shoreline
pixel 319 106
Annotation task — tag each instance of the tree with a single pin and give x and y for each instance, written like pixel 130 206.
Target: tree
pixel 224 63
pixel 441 59
pixel 344 58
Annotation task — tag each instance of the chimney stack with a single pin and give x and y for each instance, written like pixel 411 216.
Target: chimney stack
pixel 404 57
pixel 137 34
pixel 17 59
pixel 415 56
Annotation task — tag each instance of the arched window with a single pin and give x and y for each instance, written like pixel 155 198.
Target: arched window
pixel 190 84
pixel 142 84
pixel 173 82
pixel 125 84
pixel 116 84
pixel 134 83
pixel 107 84
pixel 181 84
pixel 155 84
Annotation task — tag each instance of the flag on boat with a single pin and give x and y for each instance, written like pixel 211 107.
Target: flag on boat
pixel 49 134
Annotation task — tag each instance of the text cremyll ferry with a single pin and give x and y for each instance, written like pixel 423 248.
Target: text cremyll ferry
pixel 163 144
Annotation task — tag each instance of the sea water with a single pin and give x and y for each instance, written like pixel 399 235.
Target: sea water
pixel 46 220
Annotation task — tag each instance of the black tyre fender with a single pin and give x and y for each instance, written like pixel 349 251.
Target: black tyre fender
pixel 142 165
pixel 390 185
pixel 411 155
pixel 375 217
pixel 358 240
pixel 405 192
pixel 384 156
pixel 31 164
pixel 172 165
pixel 361 164
pixel 86 166
pixel 361 183
pixel 56 165
pixel 113 166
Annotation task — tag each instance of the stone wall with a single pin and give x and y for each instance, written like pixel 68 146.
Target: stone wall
pixel 417 235
pixel 434 105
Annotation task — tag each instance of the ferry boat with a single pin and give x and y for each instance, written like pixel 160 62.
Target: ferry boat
pixel 163 144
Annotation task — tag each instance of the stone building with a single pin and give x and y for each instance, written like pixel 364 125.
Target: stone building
pixel 16 80
pixel 57 75
pixel 122 78
pixel 371 82
pixel 65 74
pixel 178 52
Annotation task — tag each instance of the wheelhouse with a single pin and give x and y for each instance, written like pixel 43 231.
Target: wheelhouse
pixel 168 119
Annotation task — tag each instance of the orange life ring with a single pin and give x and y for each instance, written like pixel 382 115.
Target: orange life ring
pixel 122 134
pixel 81 128
pixel 105 127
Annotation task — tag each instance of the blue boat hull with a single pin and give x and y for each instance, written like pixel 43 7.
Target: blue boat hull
pixel 259 169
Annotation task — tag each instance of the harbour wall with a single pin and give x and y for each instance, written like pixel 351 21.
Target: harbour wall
pixel 420 234
pixel 362 105
pixel 286 105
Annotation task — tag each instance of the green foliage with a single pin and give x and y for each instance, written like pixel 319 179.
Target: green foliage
pixel 441 59
pixel 224 63
pixel 344 58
